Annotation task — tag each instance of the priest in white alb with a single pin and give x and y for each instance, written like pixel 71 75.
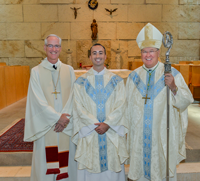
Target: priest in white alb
pixel 48 121
pixel 99 124
pixel 147 113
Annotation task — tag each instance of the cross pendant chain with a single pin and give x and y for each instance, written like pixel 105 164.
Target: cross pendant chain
pixel 146 98
pixel 148 84
pixel 55 93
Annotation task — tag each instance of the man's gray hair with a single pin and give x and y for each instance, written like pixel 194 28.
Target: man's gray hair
pixel 60 40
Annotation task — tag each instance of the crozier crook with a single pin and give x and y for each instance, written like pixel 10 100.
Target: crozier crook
pixel 167 42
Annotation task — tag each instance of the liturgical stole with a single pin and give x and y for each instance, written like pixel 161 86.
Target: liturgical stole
pixel 57 153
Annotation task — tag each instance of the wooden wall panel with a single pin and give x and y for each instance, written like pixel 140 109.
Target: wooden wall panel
pixel 19 82
pixel 2 64
pixel 185 62
pixel 176 66
pixel 185 71
pixel 196 93
pixel 10 85
pixel 136 64
pixel 196 75
pixel 195 85
pixel 196 62
pixel 14 81
pixel 26 77
pixel 2 88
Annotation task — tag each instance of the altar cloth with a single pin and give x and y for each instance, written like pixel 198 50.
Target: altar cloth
pixel 123 73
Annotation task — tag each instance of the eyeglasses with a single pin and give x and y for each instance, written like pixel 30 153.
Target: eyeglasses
pixel 51 46
pixel 151 52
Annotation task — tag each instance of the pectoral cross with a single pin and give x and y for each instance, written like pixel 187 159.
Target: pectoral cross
pixel 146 98
pixel 55 93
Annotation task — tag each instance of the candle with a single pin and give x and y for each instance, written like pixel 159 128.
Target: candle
pixel 118 38
pixel 68 42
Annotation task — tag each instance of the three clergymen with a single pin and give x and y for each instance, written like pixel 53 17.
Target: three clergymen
pixel 86 129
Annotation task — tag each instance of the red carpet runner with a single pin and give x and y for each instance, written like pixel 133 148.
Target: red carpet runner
pixel 12 139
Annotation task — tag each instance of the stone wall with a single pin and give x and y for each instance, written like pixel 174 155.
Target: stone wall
pixel 25 23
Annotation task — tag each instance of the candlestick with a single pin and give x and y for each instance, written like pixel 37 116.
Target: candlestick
pixel 69 42
pixel 118 45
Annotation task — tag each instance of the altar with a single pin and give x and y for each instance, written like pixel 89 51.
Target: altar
pixel 123 73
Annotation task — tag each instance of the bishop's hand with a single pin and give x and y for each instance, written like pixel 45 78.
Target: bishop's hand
pixel 170 82
pixel 102 128
pixel 62 123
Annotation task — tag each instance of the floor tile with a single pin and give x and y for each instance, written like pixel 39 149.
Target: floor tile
pixel 24 172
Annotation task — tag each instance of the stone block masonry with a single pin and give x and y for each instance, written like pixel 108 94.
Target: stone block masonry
pixel 25 24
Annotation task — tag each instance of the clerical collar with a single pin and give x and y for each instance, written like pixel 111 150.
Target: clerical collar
pixel 45 63
pixel 54 65
pixel 152 68
pixel 99 73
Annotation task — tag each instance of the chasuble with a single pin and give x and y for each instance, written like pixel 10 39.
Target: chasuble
pixel 43 110
pixel 99 98
pixel 146 141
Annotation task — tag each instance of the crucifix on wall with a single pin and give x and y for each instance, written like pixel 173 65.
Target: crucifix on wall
pixel 75 11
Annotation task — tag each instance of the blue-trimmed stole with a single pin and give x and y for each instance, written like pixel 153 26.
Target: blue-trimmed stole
pixel 154 90
pixel 100 95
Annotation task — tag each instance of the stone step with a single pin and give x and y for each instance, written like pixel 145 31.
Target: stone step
pixel 15 173
pixel 15 158
pixel 193 155
pixel 25 158
pixel 185 172
pixel 188 171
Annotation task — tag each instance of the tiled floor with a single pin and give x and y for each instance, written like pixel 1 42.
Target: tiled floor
pixel 20 172
pixel 193 131
pixel 11 113
pixel 14 112
pixel 15 171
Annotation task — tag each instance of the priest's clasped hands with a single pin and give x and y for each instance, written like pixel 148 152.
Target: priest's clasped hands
pixel 169 81
pixel 102 128
pixel 62 123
